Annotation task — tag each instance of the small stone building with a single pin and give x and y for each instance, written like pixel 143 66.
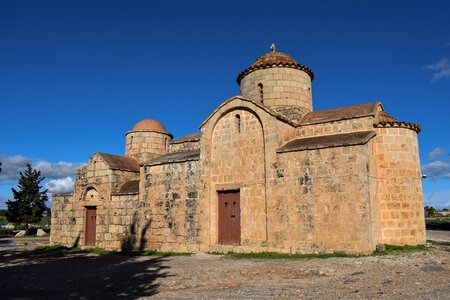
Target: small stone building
pixel 265 173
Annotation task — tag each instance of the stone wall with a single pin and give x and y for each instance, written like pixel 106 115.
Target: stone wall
pixel 238 162
pixel 118 223
pixel 94 186
pixel 184 146
pixel 322 200
pixel 334 127
pixel 97 175
pixel 399 186
pixel 172 218
pixel 231 160
pixel 67 221
pixel 146 145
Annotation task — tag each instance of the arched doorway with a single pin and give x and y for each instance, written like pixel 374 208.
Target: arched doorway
pixel 90 228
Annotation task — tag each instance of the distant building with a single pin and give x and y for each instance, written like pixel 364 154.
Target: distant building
pixel 265 173
pixel 444 213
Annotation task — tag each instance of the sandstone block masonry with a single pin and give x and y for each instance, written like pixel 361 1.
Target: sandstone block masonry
pixel 265 173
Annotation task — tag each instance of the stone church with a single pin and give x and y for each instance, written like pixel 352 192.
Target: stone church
pixel 265 173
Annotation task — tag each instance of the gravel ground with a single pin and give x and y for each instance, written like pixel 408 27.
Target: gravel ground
pixel 420 275
pixel 26 274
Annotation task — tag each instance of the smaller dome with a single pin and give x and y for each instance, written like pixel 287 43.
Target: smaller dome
pixel 149 125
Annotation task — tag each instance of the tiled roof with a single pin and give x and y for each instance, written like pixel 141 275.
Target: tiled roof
pixel 342 113
pixel 149 125
pixel 383 116
pixel 175 157
pixel 398 124
pixel 274 59
pixel 116 162
pixel 328 141
pixel 188 138
pixel 130 187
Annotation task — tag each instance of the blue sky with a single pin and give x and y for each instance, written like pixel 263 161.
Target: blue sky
pixel 76 75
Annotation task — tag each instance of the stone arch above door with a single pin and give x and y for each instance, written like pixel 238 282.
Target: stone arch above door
pixel 91 197
pixel 238 159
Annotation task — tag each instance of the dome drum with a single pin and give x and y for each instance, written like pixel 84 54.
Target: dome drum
pixel 277 81
pixel 148 139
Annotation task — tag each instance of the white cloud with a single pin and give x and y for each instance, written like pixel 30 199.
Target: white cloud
pixel 436 153
pixel 438 200
pixel 12 165
pixel 441 69
pixel 56 170
pixel 63 185
pixel 437 169
pixel 439 166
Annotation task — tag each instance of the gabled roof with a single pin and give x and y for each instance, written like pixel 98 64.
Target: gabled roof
pixel 341 113
pixel 116 162
pixel 328 141
pixel 192 137
pixel 259 105
pixel 174 157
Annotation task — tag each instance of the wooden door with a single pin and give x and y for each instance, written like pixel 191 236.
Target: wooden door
pixel 91 216
pixel 229 218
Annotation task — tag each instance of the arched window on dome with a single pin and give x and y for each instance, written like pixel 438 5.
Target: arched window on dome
pixel 237 123
pixel 261 92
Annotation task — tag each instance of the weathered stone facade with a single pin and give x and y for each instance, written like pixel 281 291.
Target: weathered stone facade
pixel 265 173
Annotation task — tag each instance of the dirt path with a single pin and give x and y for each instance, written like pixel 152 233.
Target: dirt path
pixel 34 275
pixel 414 275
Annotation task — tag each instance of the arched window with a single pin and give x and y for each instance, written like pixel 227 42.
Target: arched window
pixel 261 92
pixel 237 124
pixel 131 146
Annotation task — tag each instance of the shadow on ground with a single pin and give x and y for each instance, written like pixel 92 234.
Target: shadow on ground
pixel 442 226
pixel 44 275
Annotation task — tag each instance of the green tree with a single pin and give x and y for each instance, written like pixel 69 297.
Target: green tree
pixel 430 211
pixel 29 201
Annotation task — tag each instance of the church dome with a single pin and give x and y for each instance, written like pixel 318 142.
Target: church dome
pixel 149 125
pixel 274 59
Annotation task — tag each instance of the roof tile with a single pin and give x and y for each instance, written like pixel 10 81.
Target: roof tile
pixel 116 162
pixel 341 113
pixel 328 141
